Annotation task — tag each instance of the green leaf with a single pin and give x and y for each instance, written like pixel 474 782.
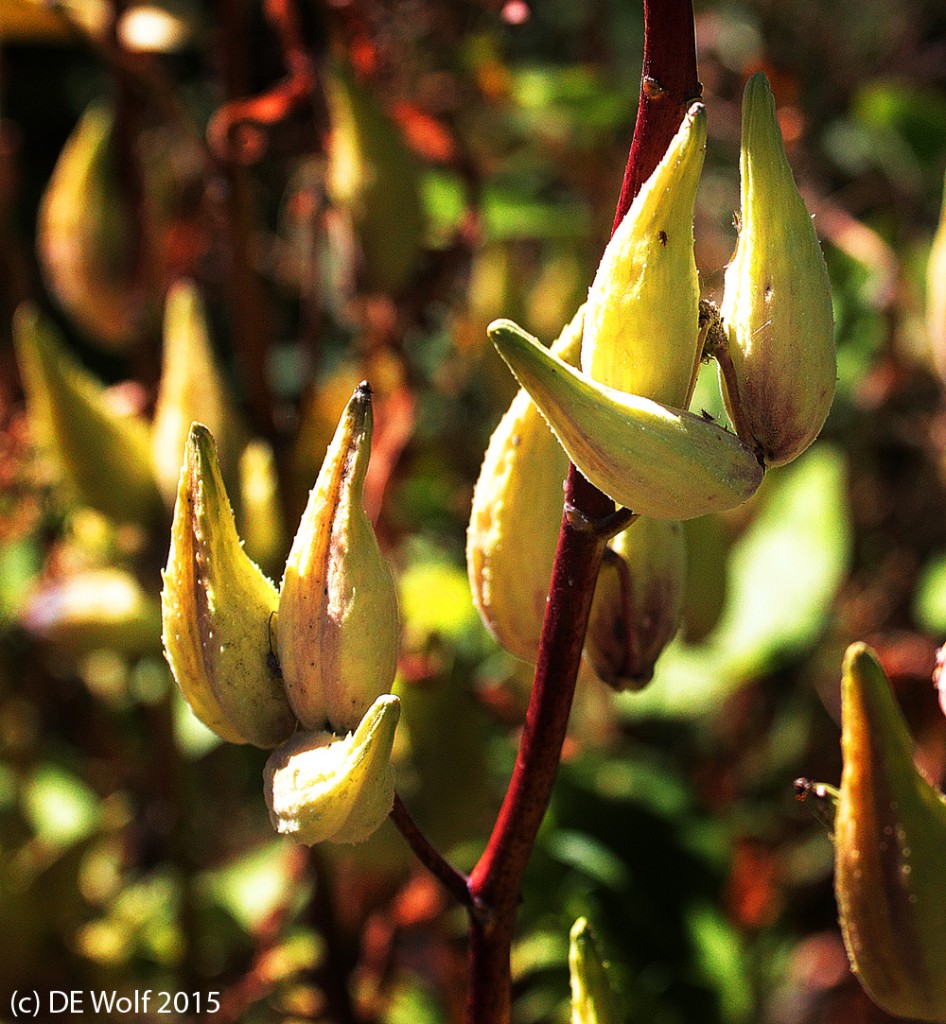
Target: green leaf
pixel 60 807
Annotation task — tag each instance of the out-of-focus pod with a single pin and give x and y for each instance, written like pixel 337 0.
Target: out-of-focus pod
pixel 320 787
pixel 642 319
pixel 104 456
pixel 638 602
pixel 779 368
pixel 94 609
pixel 890 834
pixel 593 999
pixel 338 619
pixel 515 518
pixel 261 516
pixel 373 177
pixel 936 293
pixel 657 461
pixel 219 612
pixel 85 238
pixel 190 391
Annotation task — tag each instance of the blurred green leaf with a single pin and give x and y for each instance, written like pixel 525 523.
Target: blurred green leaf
pixel 61 808
pixel 929 602
pixel 251 887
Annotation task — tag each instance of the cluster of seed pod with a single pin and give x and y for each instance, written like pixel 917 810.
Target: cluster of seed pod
pixel 621 415
pixel 256 664
pixel 307 668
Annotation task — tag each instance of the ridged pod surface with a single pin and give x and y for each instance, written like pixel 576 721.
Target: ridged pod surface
pixel 638 602
pixel 642 318
pixel 776 307
pixel 218 611
pixel 338 618
pixel 190 390
pixel 104 457
pixel 323 788
pixel 593 999
pixel 84 239
pixel 890 838
pixel 515 518
pixel 656 461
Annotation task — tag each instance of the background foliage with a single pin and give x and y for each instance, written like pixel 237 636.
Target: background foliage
pixel 135 850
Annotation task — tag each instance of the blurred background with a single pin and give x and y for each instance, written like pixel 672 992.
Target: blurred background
pixel 404 173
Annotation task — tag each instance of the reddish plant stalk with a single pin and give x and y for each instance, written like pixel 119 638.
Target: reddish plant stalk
pixel 669 84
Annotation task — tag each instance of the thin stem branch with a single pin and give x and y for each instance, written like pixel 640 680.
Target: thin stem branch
pixel 455 882
pixel 669 84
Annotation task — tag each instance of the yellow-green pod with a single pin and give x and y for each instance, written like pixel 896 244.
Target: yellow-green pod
pixel 779 368
pixel 657 461
pixel 642 319
pixel 638 602
pixel 261 516
pixel 936 293
pixel 93 609
pixel 338 619
pixel 373 177
pixel 593 999
pixel 219 612
pixel 85 239
pixel 516 516
pixel 323 788
pixel 190 391
pixel 890 838
pixel 105 457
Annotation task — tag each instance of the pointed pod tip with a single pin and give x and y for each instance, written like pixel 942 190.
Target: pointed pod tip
pixel 580 929
pixel 363 391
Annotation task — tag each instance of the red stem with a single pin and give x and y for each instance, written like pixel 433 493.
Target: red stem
pixel 669 84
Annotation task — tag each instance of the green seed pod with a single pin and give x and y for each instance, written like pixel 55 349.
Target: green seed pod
pixel 936 293
pixel 190 391
pixel 657 461
pixel 105 457
pixel 85 242
pixel 593 999
pixel 373 177
pixel 778 369
pixel 338 619
pixel 515 518
pixel 261 515
pixel 890 835
pixel 320 788
pixel 642 320
pixel 219 612
pixel 638 602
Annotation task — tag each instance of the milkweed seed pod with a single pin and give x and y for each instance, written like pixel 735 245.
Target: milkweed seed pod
pixel 593 999
pixel 219 611
pixel 319 787
pixel 936 293
pixel 657 461
pixel 261 512
pixel 515 518
pixel 190 391
pixel 338 619
pixel 638 602
pixel 890 834
pixel 103 456
pixel 373 177
pixel 776 307
pixel 642 320
pixel 85 239
pixel 94 609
